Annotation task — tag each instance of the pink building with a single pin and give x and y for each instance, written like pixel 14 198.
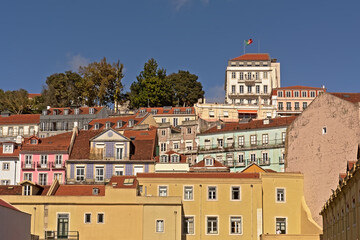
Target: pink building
pixel 43 159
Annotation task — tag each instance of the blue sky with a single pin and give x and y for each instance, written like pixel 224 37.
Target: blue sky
pixel 316 41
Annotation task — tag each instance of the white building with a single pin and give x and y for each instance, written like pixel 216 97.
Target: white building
pixel 9 163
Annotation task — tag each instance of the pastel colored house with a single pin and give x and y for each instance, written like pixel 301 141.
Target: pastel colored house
pixel 44 159
pixel 237 145
pixel 171 162
pixel 9 163
pixel 172 115
pixel 24 125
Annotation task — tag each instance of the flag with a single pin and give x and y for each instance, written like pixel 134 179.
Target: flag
pixel 248 42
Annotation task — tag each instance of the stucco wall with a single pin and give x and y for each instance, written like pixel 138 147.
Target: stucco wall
pixel 321 157
pixel 14 224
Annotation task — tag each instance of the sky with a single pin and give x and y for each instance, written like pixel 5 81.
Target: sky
pixel 315 41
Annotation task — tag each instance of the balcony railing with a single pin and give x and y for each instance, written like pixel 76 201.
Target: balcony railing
pixel 55 165
pixel 247 145
pixel 29 166
pixel 246 162
pixel 69 235
pixel 43 165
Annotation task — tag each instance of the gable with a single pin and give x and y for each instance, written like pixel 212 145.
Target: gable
pixel 109 135
pixel 253 168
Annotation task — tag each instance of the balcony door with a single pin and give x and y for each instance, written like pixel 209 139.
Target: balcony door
pixel 63 226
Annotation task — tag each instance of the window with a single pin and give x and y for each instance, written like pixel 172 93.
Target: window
pixel 174 158
pixel 187 119
pixel 235 225
pixel 233 75
pixel 100 218
pixel 288 94
pixel 159 225
pixel 107 125
pixel 253 139
pixel 324 130
pixel 232 88
pixel 220 142
pixel 5 182
pixel 297 106
pixel 304 105
pixel 188 193
pixel 288 106
pixel 58 176
pixel 281 225
pixel 91 110
pixel 80 174
pixel 32 131
pixel 209 162
pixel 66 111
pixel 175 121
pixel 119 170
pixel 241 158
pixel 10 131
pixel 119 124
pixel 280 195
pixel 241 141
pixel 55 112
pixel 96 126
pixel 212 225
pixel 162 191
pixel 6 166
pixel 42 178
pixel 188 225
pixel 249 89
pixel 265 88
pixel 189 130
pixel 119 153
pixel 163 132
pixel 27 190
pixel 241 89
pixel 280 106
pixel 58 160
pixel 235 193
pixel 241 76
pixel 312 94
pixel 131 123
pixel 28 176
pixel 252 157
pixel 43 161
pixel 211 193
pixel 163 159
pixel 28 160
pixel 99 174
pixel 296 94
pixel 283 136
pixel 188 145
pixel 176 145
pixel 188 111
pixel 21 131
pixel 265 75
pixel 280 94
pixel 154 111
pixel 249 75
pixel 163 147
pixel 163 120
pixel 256 75
pixel 226 114
pixel 265 139
pixel 87 218
pixel 304 94
pixel 211 114
pixel 77 111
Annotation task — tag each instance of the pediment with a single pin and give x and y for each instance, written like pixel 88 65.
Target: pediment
pixel 110 135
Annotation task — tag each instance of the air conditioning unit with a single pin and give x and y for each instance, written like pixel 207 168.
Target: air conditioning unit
pixel 49 235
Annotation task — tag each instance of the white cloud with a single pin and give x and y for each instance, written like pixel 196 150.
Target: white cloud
pixel 180 3
pixel 215 94
pixel 76 61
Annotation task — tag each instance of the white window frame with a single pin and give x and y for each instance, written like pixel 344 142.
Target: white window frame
pixel 26 176
pixel 188 193
pixel 58 160
pixel 6 166
pixel 286 223
pixel 119 151
pixel 207 222
pixel 162 190
pixel 163 147
pixel 209 162
pixel 159 225
pixel 76 173
pixel 99 177
pixel 186 225
pixel 41 179
pixel 277 194
pixel 27 190
pixel 212 194
pixel 241 225
pixel 241 141
pixel 231 193
pixel 119 169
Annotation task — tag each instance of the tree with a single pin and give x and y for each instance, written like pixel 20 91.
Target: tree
pixel 101 83
pixel 151 87
pixel 62 89
pixel 187 90
pixel 15 101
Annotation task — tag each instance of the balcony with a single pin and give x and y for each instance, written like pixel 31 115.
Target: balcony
pixel 28 166
pixel 69 235
pixel 254 94
pixel 58 165
pixel 43 166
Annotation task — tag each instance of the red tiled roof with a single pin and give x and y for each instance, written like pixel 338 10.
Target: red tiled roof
pixel 20 119
pixel 169 153
pixel 32 95
pixel 143 145
pixel 79 190
pixel 14 154
pixel 300 88
pixel 253 57
pixel 163 111
pixel 81 147
pixel 10 190
pixel 118 182
pixel 60 142
pixel 350 97
pixel 114 120
pixel 8 205
pixel 83 110
pixel 198 175
pixel 254 124
pixel 350 165
pixel 217 164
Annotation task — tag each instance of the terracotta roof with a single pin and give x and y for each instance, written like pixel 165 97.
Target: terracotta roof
pixel 120 182
pixel 350 97
pixel 81 147
pixel 168 110
pixel 253 57
pixel 32 95
pixel 198 175
pixel 350 165
pixel 254 124
pixel 60 142
pixel 79 190
pixel 20 119
pixel 8 205
pixel 138 119
pixel 143 147
pixel 169 153
pixel 217 164
pixel 83 110
pixel 14 154
pixel 10 190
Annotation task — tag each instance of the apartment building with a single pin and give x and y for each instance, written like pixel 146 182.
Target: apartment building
pixel 172 115
pixel 24 125
pixel 319 143
pixel 294 99
pixel 9 163
pixel 238 145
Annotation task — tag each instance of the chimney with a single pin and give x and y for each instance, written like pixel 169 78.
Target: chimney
pixel 322 86
pixel 5 114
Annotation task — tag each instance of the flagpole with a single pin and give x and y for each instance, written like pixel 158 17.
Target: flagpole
pixel 244 47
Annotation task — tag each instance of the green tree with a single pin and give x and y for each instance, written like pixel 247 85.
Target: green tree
pixel 151 87
pixel 62 89
pixel 101 83
pixel 187 90
pixel 16 101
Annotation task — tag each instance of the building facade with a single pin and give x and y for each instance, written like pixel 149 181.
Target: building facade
pixel 293 100
pixel 237 145
pixel 173 115
pixel 320 142
pixel 9 163
pixel 24 125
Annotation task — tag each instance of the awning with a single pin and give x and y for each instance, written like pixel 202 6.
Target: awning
pixel 247 111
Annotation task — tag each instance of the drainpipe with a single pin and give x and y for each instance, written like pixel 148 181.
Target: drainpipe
pixel 15 173
pixel 34 220
pixel 175 213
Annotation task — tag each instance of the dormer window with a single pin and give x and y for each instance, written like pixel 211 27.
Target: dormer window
pixel 142 110
pixel 119 124
pixel 8 148
pixel 131 123
pixel 91 110
pixel 33 141
pixel 154 111
pixel 55 112
pixel 96 126
pixel 209 162
pixel 86 126
pixel 108 125
pixel 175 158
pixel 177 111
pixel 163 159
pixel 188 111
pixel 66 112
pixel 44 112
pixel 77 111
pixel 27 190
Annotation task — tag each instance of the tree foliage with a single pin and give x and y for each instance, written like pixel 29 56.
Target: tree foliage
pixel 16 102
pixel 151 87
pixel 101 83
pixel 187 90
pixel 62 89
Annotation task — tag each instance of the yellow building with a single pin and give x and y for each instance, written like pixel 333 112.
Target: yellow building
pixel 236 205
